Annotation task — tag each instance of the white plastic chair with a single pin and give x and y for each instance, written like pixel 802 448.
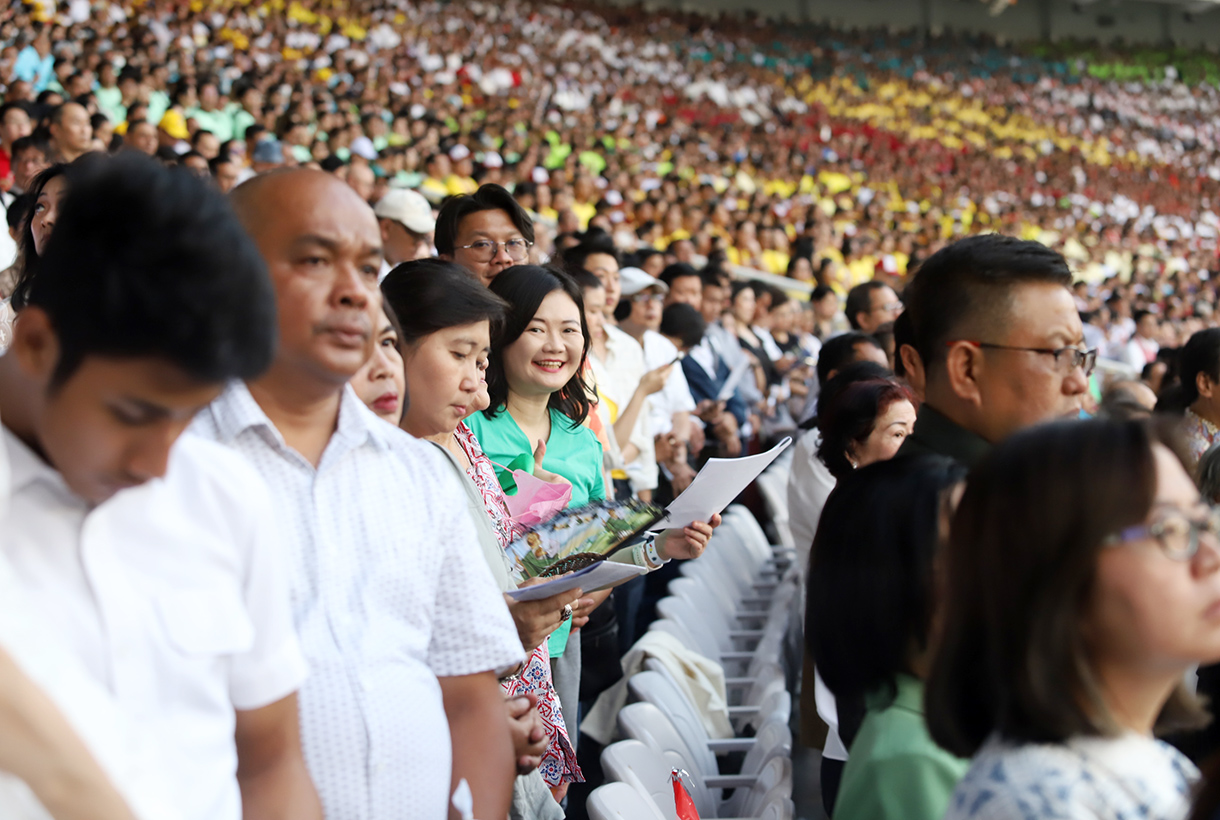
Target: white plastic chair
pixel 647 771
pixel 646 723
pixel 621 801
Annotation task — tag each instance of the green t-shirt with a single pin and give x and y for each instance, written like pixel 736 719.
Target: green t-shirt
pixel 242 119
pixel 158 104
pixel 218 122
pixel 894 770
pixel 572 452
pixel 110 103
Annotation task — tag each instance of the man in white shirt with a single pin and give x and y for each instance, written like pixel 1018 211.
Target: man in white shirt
pixel 397 610
pixel 639 316
pixel 155 560
pixel 1141 351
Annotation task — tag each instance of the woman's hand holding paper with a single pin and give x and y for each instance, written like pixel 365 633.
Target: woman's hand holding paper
pixel 689 542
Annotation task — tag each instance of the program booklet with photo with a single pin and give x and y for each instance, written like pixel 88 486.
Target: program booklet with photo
pixel 577 538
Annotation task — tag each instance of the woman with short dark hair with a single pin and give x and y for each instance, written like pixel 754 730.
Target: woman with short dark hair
pixel 865 423
pixel 1083 582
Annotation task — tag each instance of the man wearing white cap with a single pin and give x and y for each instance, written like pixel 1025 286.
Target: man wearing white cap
pixel 462 179
pixel 406 224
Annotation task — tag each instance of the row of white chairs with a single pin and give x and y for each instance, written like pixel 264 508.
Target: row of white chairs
pixel 733 606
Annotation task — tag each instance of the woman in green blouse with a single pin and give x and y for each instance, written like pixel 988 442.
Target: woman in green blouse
pixel 869 623
pixel 535 383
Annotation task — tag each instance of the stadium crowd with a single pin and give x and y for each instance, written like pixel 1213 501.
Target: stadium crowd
pixel 571 254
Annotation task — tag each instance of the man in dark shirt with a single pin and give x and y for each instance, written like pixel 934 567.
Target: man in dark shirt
pixel 1000 341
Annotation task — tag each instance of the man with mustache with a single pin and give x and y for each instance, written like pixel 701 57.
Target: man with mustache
pixel 403 626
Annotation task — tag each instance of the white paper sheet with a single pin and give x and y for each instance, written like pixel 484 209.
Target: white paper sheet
pixel 734 379
pixel 590 579
pixel 717 484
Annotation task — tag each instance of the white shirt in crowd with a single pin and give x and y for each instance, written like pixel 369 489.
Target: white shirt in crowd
pixel 617 380
pixel 171 598
pixel 675 397
pixel 1139 352
pixel 390 591
pixel 809 485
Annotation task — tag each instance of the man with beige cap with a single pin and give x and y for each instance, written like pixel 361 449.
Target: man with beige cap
pixel 407 224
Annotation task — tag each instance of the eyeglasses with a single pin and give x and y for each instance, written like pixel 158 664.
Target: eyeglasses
pixel 645 298
pixel 1066 358
pixel 890 307
pixel 1177 535
pixel 484 250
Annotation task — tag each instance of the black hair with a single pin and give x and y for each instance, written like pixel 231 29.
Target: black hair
pixel 12 106
pixel 871 587
pixel 17 211
pixel 970 281
pixel 681 321
pixel 198 135
pixel 220 159
pixel 28 261
pixel 524 287
pixel 149 261
pixel 489 197
pixel 860 300
pixel 1138 315
pixel 585 280
pixel 429 295
pixel 677 271
pixel 1200 354
pixel 713 277
pixel 37 140
pixel 574 258
pixel 904 334
pixel 820 292
pixel 840 351
pixel 57 113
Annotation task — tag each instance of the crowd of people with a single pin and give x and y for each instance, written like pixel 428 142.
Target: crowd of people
pixel 305 298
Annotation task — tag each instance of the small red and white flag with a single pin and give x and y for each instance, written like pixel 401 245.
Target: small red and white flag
pixel 682 802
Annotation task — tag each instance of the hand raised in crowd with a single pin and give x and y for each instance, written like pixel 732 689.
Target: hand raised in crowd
pixel 536 620
pixel 528 731
pixel 689 542
pixel 654 380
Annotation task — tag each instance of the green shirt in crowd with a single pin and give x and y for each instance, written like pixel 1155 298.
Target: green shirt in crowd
pixel 894 770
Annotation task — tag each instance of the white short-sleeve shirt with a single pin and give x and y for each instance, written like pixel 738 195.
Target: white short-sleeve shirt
pixel 675 396
pixel 171 597
pixel 390 591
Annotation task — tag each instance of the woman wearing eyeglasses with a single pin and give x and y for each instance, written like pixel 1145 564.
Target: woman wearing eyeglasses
pixel 485 232
pixel 1082 582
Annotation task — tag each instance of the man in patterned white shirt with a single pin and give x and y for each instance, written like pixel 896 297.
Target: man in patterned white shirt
pixel 399 616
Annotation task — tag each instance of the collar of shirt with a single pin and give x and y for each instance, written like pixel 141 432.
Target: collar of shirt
pixel 27 468
pixel 617 340
pixel 936 433
pixel 704 355
pixel 236 411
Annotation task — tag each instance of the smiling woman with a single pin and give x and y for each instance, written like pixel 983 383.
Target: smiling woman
pixel 534 380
